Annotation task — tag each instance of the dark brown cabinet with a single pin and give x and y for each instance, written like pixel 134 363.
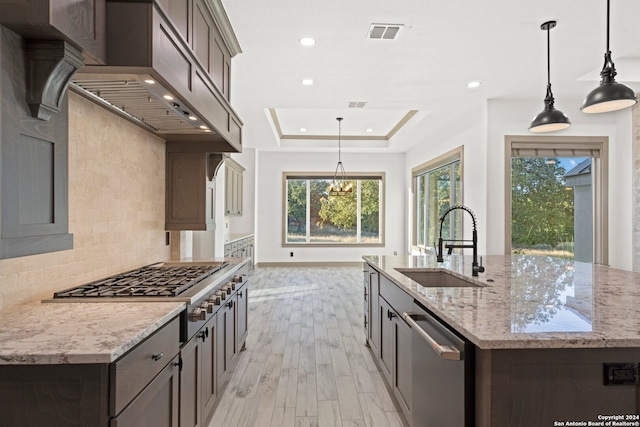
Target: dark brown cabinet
pixel 197 376
pixel 140 389
pixel 242 314
pixel 81 22
pixel 226 339
pixel 156 405
pixel 34 162
pixel 233 187
pixel 388 335
pixel 190 191
pixel 372 309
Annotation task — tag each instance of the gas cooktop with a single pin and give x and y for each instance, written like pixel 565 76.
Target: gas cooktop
pixel 156 280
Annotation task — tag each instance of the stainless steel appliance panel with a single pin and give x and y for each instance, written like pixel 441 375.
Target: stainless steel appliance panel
pixel 442 367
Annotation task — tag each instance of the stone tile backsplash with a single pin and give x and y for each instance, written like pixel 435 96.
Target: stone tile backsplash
pixel 116 207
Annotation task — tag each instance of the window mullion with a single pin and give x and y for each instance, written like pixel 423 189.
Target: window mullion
pixel 308 213
pixel 358 212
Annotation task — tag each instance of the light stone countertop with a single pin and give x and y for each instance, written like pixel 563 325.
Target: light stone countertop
pixel 85 331
pixel 529 301
pixel 61 333
pixel 234 237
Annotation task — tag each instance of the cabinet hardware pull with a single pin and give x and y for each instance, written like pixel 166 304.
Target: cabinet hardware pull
pixel 230 304
pixel 444 351
pixel 392 315
pixel 240 294
pixel 157 356
pixel 178 364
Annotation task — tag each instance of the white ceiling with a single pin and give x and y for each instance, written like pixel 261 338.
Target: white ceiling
pixel 442 46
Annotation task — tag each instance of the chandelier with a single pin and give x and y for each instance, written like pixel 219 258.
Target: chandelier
pixel 339 186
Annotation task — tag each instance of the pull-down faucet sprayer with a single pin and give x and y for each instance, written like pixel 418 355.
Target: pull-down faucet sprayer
pixel 475 267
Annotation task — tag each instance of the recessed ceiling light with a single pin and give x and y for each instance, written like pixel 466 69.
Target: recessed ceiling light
pixel 307 82
pixel 168 97
pixel 303 129
pixel 207 130
pixel 194 118
pixel 149 81
pixel 474 84
pixel 369 130
pixel 204 127
pixel 307 41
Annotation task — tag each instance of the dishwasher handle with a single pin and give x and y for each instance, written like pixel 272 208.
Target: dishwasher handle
pixel 444 351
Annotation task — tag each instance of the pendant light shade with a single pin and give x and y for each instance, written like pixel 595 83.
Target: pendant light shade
pixel 610 95
pixel 550 119
pixel 340 186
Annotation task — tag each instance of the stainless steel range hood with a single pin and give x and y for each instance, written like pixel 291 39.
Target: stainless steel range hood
pixel 154 78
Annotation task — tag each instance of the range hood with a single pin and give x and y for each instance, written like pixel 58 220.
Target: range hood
pixel 159 81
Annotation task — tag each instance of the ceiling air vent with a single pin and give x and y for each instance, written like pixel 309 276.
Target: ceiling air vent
pixel 356 104
pixel 384 31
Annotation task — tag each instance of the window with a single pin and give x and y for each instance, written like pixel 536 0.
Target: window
pixel 437 186
pixel 556 197
pixel 313 217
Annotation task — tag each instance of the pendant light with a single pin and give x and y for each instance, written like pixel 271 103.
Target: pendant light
pixel 550 119
pixel 339 186
pixel 610 95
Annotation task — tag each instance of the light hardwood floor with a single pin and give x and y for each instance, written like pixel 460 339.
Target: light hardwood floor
pixel 306 363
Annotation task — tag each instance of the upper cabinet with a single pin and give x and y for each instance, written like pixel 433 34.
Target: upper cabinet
pixel 33 153
pixel 190 187
pixel 169 71
pixel 233 187
pixel 81 22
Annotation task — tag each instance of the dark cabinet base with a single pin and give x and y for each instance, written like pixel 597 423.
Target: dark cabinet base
pixel 64 395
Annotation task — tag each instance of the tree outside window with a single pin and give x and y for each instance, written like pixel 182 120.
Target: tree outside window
pixel 317 218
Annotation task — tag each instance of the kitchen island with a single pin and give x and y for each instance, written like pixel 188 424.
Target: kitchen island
pixel 547 334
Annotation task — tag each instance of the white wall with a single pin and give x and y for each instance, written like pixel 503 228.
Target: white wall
pixel 484 171
pixel 269 204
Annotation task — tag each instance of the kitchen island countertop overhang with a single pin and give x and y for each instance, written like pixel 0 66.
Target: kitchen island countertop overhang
pixel 527 302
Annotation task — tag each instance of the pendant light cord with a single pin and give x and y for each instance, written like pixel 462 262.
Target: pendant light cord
pixel 609 69
pixel 608 19
pixel 549 100
pixel 339 133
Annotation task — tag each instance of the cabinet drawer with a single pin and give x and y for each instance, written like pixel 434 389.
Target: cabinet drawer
pixel 133 371
pixel 398 299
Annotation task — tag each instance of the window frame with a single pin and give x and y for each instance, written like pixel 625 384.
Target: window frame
pixel 329 175
pixel 456 154
pixel 600 173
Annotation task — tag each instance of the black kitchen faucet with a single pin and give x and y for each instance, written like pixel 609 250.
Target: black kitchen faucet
pixel 475 267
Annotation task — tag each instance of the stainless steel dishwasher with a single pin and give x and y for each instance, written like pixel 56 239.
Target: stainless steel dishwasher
pixel 442 372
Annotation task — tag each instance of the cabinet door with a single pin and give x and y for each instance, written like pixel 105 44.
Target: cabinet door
pixel 228 189
pixel 374 333
pixel 231 345
pixel 402 384
pixel 242 312
pixel 190 377
pixel 156 405
pixel 226 339
pixel 208 369
pixel 386 339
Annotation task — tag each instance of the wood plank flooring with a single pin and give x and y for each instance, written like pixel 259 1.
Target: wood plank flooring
pixel 306 363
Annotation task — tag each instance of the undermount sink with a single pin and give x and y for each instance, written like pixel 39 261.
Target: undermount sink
pixel 436 279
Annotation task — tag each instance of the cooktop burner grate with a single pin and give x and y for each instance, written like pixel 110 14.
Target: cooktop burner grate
pixel 149 281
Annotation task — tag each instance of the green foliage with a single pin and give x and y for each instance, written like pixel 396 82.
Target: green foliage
pixel 542 209
pixel 297 204
pixel 341 211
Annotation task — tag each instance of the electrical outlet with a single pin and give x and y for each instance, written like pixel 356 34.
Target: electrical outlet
pixel 395 252
pixel 291 254
pixel 621 374
pixel 167 238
